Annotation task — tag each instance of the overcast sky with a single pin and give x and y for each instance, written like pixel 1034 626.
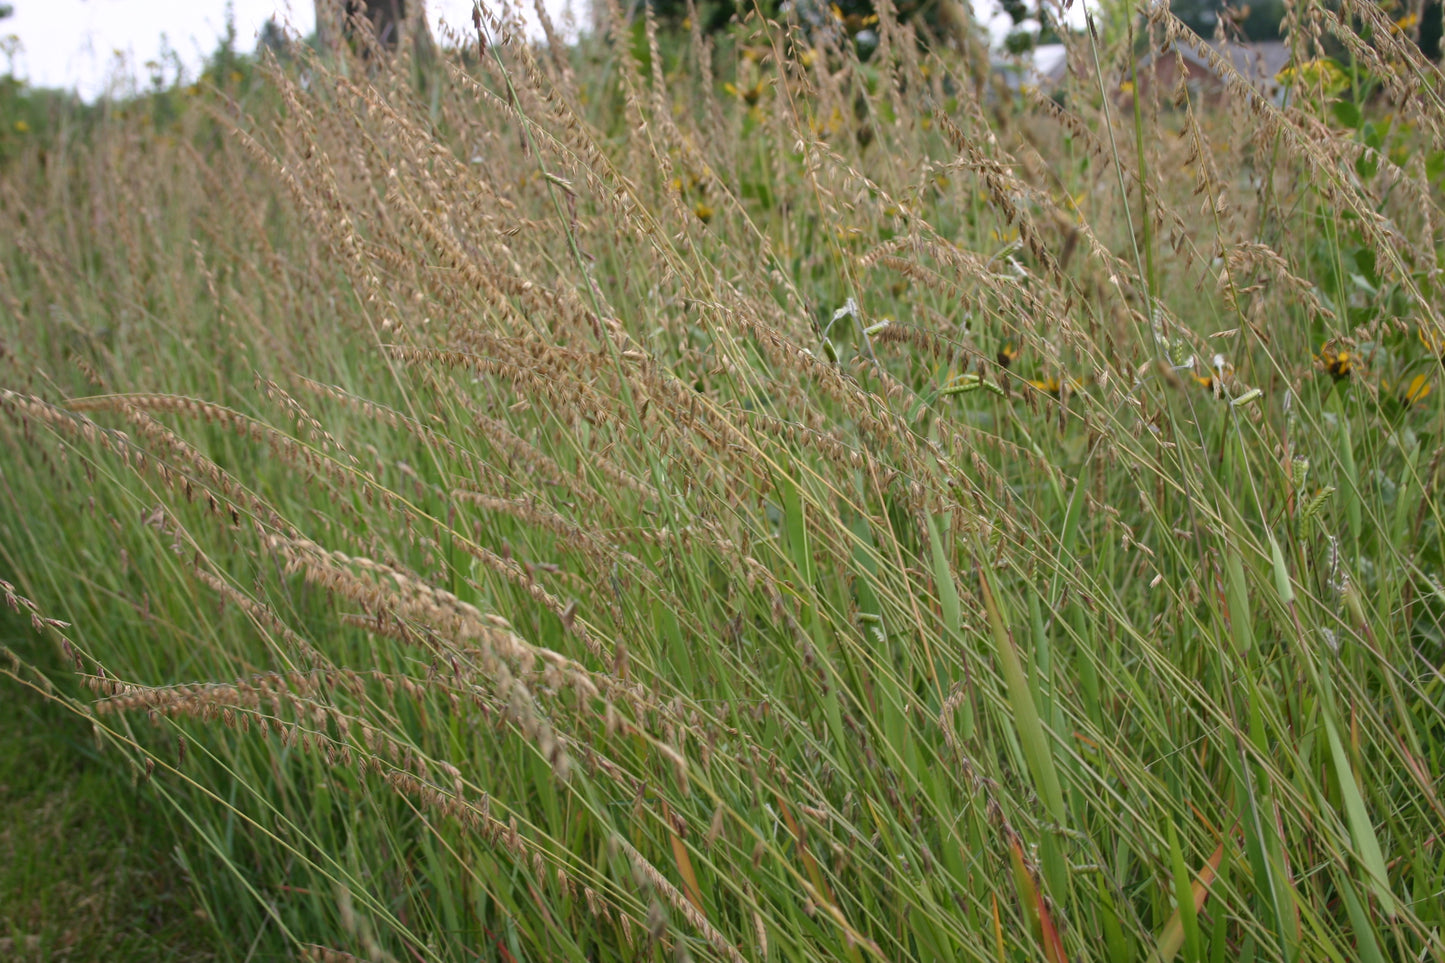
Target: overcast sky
pixel 82 43
pixel 77 43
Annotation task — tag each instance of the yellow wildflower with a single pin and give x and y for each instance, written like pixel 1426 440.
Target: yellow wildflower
pixel 1416 391
pixel 853 23
pixel 751 95
pixel 1049 386
pixel 1339 363
pixel 1320 73
pixel 1410 394
pixel 1434 342
pixel 1213 377
pixel 831 125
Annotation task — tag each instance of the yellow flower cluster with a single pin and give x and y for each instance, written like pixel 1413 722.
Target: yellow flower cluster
pixel 853 23
pixel 1337 361
pixel 750 95
pixel 1321 73
pixel 1340 364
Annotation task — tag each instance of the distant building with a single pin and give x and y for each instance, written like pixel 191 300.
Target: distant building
pixel 1256 63
pixel 1042 68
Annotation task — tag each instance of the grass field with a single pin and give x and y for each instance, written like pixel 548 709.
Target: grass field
pixel 86 866
pixel 719 499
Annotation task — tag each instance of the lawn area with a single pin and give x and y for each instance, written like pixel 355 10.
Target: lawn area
pixel 87 864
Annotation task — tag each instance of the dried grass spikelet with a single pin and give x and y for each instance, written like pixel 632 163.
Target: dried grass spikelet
pixel 478 470
pixel 202 700
pixel 541 98
pixel 585 370
pixel 1395 49
pixel 600 553
pixel 830 444
pixel 487 280
pixel 571 144
pixel 552 385
pixel 513 572
pixel 263 615
pixel 388 625
pixel 675 899
pixel 930 343
pixel 561 71
pixel 43 625
pixel 869 412
pixel 305 421
pixel 499 281
pixel 315 953
pixel 459 692
pixel 503 657
pixel 541 468
pixel 475 813
pixel 231 492
pixel 1318 148
pixel 704 532
pixel 437 784
pixel 968 265
pixel 1012 196
pixel 957 695
pixel 341 475
pixel 429 153
pixel 1251 267
pixel 69 423
pixel 280 443
pixel 1169 222
pixel 319 202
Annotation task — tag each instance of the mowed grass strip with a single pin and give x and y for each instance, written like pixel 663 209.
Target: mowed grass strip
pixel 88 867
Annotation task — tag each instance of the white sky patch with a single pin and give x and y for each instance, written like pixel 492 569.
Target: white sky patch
pixel 90 45
pixel 97 45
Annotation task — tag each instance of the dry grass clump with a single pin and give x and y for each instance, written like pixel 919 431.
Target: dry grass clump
pixel 870 516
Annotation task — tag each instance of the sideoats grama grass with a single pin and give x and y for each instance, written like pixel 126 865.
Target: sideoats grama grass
pixel 948 548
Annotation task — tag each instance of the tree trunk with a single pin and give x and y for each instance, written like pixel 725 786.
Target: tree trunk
pixel 390 21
